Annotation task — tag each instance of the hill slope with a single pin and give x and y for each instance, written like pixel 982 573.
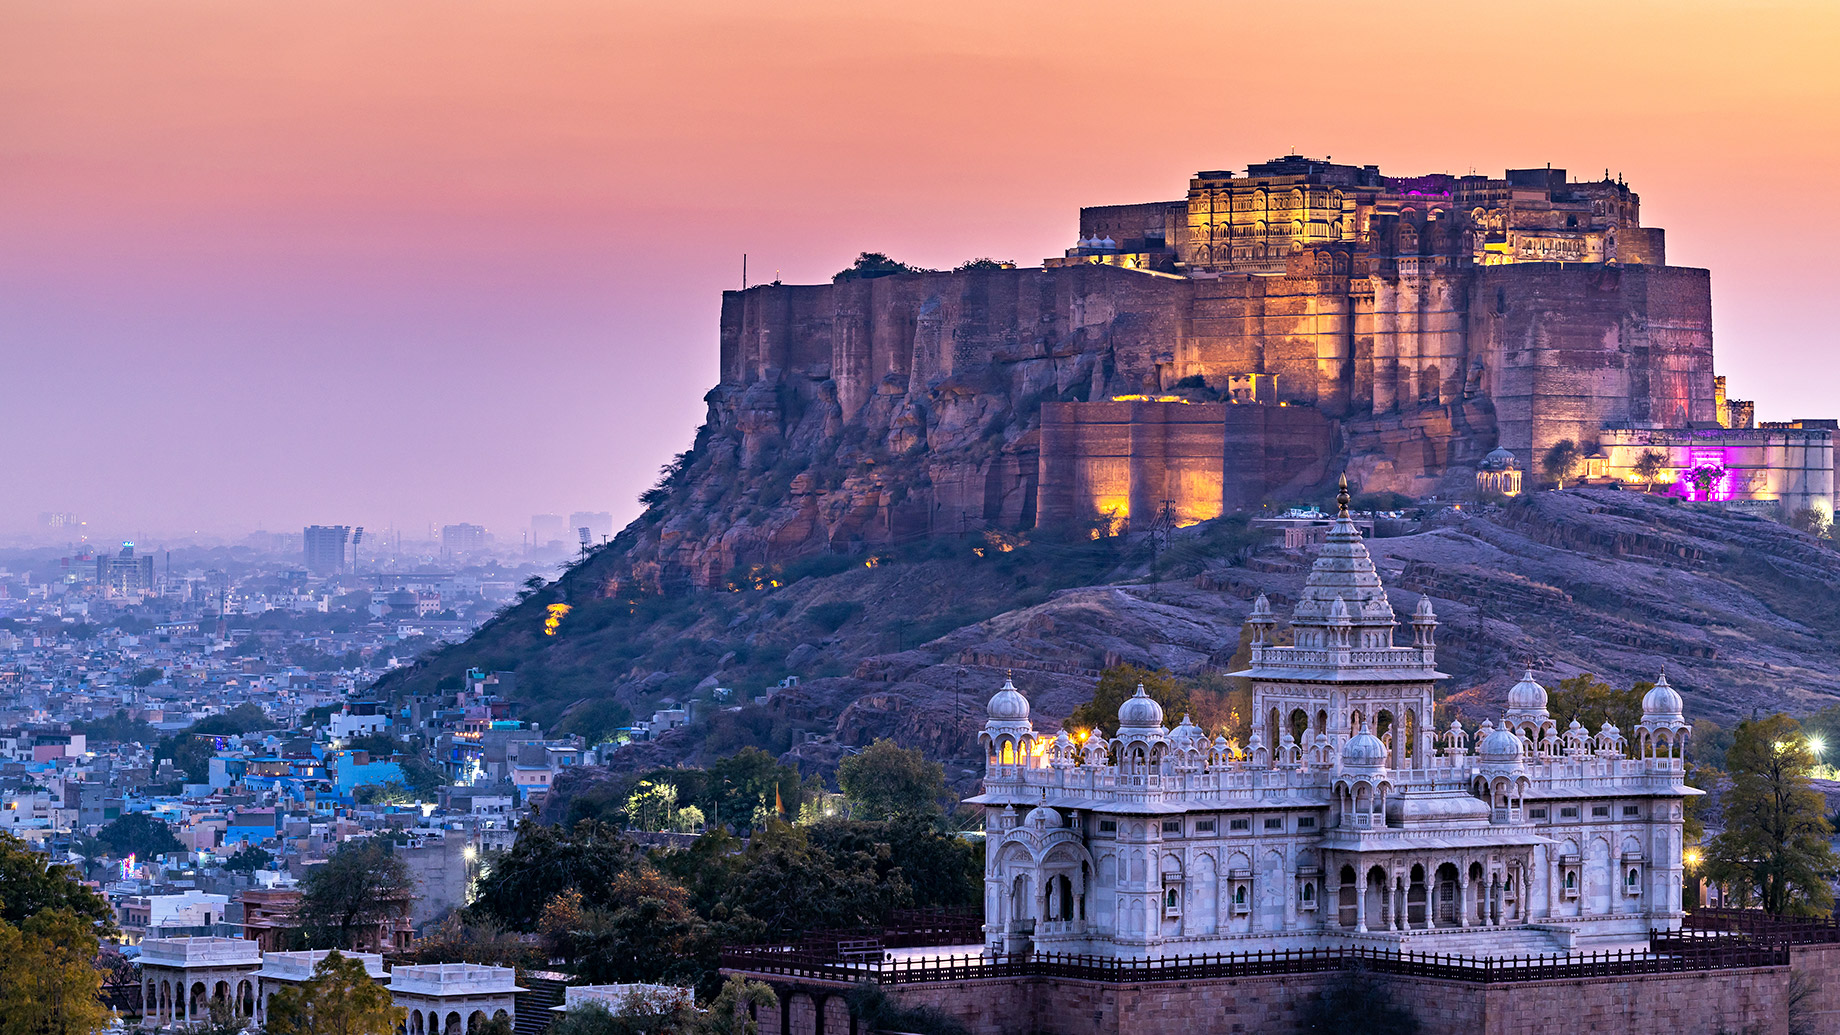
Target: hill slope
pixel 1741 612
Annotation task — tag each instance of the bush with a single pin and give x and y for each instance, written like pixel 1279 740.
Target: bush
pixel 832 614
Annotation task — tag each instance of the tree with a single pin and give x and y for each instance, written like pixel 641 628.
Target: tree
pixel 875 264
pixel 359 888
pixel 942 869
pixel 1561 460
pixel 1648 467
pixel 750 787
pixel 786 885
pixel 1120 682
pixel 1590 700
pixel 887 780
pixel 645 932
pixel 31 884
pixel 49 981
pixel 423 778
pixel 546 861
pixel 138 834
pixel 1775 843
pixel 244 718
pixel 973 265
pixel 340 999
pixel 250 859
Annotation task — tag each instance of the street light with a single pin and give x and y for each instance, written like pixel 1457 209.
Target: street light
pixel 1817 745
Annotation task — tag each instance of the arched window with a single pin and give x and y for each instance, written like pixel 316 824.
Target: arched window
pixel 1634 879
pixel 1309 891
pixel 1170 898
pixel 1571 880
pixel 1009 753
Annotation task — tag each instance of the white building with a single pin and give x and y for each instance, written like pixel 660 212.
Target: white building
pixel 1346 819
pixel 451 998
pixel 282 969
pixel 180 977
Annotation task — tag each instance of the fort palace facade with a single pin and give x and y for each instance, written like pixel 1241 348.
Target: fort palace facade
pixel 1348 816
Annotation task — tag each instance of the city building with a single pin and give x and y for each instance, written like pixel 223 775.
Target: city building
pixel 1347 817
pixel 324 547
pixel 1499 474
pixel 463 538
pixel 599 524
pixel 546 529
pixel 125 575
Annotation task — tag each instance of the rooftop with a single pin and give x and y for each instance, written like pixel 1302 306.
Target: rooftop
pixel 200 952
pixel 441 979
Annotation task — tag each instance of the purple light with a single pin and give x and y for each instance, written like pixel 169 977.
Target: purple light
pixel 1707 477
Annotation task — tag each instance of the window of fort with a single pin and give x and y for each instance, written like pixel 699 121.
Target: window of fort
pixel 1568 812
pixel 1172 826
pixel 1276 823
pixel 1108 826
pixel 1204 826
pixel 1172 901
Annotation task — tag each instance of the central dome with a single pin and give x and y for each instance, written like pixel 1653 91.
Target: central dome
pixel 1008 705
pixel 1140 711
pixel 1364 751
pixel 1527 695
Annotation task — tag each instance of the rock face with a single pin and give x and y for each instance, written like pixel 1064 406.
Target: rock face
pixel 1741 613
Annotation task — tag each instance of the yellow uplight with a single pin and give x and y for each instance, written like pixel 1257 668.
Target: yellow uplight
pixel 553 620
pixel 1692 857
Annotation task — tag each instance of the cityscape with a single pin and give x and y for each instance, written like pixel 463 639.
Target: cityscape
pixel 604 520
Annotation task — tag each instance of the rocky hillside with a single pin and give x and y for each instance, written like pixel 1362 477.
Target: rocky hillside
pixel 907 642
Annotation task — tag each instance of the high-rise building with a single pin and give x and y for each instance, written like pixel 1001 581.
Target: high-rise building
pixel 463 538
pixel 325 548
pixel 599 524
pixel 549 528
pixel 125 575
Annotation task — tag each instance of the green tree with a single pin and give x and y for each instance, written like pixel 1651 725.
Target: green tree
pixel 1561 460
pixel 31 884
pixel 1649 467
pixel 423 778
pixel 942 869
pixel 340 999
pixel 359 888
pixel 786 885
pixel 138 834
pixel 887 780
pixel 752 785
pixel 644 932
pixel 49 981
pixel 1774 847
pixel 875 264
pixel 1590 700
pixel 249 859
pixel 244 718
pixel 1120 682
pixel 545 862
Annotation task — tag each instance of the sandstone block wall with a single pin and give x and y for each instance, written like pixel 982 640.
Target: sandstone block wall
pixel 1709 1003
pixel 1568 349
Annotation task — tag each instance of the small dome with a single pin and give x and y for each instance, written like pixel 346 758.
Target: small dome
pixel 1663 702
pixel 1008 705
pixel 1187 734
pixel 1364 751
pixel 1527 695
pixel 1502 746
pixel 1043 817
pixel 1140 711
pixel 1500 459
pixel 1424 608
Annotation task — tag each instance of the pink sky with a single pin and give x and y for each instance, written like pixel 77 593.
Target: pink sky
pixel 279 263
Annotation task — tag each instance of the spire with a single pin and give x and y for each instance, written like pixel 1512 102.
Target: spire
pixel 1341 497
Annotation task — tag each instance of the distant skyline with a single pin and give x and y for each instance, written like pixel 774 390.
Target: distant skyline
pixel 281 264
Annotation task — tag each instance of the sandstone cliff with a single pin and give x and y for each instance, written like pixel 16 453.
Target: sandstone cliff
pixel 1740 612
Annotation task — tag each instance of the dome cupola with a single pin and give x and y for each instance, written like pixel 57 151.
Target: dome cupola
pixel 1008 705
pixel 1140 711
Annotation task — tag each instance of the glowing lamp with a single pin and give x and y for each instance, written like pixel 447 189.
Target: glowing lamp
pixel 553 619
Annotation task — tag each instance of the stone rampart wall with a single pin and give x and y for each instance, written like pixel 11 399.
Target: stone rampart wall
pixel 1703 1003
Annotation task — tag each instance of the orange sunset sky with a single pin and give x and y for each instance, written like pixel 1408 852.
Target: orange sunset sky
pixel 393 263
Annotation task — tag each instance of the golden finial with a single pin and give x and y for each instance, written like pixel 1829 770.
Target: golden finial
pixel 1341 497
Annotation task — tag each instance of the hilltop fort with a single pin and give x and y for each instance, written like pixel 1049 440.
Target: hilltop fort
pixel 1194 356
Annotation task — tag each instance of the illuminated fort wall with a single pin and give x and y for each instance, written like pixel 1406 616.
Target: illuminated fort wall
pixel 1420 316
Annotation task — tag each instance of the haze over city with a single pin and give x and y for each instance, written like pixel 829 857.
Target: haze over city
pixel 268 265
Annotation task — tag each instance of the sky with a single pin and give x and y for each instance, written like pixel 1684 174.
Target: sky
pixel 412 263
